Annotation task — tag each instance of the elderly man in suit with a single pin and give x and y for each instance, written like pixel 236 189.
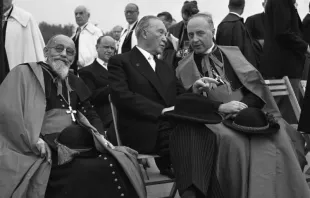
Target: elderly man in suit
pixel 143 88
pixel 128 39
pixel 85 39
pixel 95 77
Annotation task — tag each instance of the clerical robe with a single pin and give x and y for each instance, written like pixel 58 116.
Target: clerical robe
pixel 35 106
pixel 247 166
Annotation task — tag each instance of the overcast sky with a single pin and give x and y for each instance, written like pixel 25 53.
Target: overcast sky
pixel 108 13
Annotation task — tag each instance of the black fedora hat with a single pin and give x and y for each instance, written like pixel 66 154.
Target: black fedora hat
pixel 253 121
pixel 194 108
pixel 74 137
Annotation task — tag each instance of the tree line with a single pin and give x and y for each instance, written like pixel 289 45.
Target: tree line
pixel 49 30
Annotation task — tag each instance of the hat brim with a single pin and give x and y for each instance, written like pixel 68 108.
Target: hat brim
pixel 270 130
pixel 210 118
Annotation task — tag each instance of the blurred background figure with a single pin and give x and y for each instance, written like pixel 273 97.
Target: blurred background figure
pixel 174 53
pixel 85 39
pixel 116 34
pixel 232 32
pixel 128 38
pixel 166 18
pixel 22 38
pixel 284 49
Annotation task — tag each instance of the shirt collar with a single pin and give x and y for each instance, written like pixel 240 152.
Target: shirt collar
pixel 102 63
pixel 235 13
pixel 131 26
pixel 20 16
pixel 83 26
pixel 145 53
pixel 210 49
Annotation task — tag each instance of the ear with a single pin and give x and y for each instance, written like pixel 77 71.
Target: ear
pixel 144 34
pixel 45 51
pixel 186 2
pixel 194 2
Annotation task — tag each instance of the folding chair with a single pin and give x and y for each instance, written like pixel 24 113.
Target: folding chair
pixel 283 87
pixel 143 158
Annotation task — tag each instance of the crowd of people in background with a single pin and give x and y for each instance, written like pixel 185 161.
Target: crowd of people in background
pixel 188 91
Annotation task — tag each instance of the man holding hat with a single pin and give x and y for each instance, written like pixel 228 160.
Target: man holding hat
pixel 249 163
pixel 40 101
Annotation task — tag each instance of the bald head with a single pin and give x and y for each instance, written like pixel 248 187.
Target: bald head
pixel 116 32
pixel 82 15
pixel 105 47
pixel 131 13
pixel 60 39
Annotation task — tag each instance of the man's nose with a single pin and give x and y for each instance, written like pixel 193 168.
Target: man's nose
pixel 64 52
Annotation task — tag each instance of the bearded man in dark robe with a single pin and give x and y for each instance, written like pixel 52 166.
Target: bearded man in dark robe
pixel 41 100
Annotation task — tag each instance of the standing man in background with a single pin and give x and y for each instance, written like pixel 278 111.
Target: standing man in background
pixel 85 39
pixel 22 38
pixel 284 49
pixel 128 38
pixel 232 32
pixel 116 34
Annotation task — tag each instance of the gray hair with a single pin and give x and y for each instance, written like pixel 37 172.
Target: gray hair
pixel 143 24
pixel 84 8
pixel 205 15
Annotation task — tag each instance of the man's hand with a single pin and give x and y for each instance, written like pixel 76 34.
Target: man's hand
pixel 167 109
pixel 44 150
pixel 232 107
pixel 204 84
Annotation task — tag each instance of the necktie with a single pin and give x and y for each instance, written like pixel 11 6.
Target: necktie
pixel 4 69
pixel 77 34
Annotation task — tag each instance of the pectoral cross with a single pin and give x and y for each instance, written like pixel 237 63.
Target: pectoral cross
pixel 72 112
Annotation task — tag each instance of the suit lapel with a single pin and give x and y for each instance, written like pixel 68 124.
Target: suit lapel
pixel 143 66
pixel 164 75
pixel 100 70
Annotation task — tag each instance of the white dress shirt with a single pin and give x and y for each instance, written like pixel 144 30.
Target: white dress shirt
pixel 149 57
pixel 235 13
pixel 102 63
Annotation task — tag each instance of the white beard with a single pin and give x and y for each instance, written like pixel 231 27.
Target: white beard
pixel 60 68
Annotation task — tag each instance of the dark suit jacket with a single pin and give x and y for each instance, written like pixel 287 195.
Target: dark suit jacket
pixel 284 48
pixel 232 32
pixel 255 25
pixel 306 28
pixel 96 78
pixel 140 95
